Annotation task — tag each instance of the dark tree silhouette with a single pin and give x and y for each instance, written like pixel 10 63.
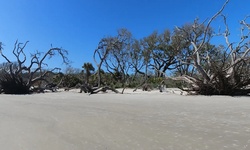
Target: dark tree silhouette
pixel 22 74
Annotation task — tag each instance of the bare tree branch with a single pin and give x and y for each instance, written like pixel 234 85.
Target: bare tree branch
pixel 208 25
pixel 35 71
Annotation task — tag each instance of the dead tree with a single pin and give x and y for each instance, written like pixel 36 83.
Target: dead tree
pixel 102 53
pixel 28 75
pixel 227 76
pixel 118 62
pixel 86 88
pixel 113 53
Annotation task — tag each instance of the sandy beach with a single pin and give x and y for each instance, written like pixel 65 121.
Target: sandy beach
pixel 132 121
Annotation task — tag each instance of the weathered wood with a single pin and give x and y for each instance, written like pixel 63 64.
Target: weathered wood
pixel 104 89
pixel 86 88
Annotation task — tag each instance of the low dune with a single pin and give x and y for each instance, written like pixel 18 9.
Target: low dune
pixel 130 121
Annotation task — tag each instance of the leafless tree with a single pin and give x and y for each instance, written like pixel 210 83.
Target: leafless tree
pixel 162 53
pixel 119 58
pixel 181 43
pixel 137 58
pixel 229 75
pixel 101 54
pixel 34 70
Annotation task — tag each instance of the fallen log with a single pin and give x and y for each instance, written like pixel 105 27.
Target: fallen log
pixel 104 89
pixel 86 88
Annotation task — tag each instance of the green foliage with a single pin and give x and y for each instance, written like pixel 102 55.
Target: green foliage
pixel 88 70
pixel 68 80
pixel 71 81
pixel 154 82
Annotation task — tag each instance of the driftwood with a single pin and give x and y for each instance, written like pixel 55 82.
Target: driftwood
pixel 208 90
pixel 104 89
pixel 33 71
pixel 50 86
pixel 225 72
pixel 37 89
pixel 145 86
pixel 42 89
pixel 86 88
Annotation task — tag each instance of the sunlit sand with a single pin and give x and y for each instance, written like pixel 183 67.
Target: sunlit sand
pixel 132 121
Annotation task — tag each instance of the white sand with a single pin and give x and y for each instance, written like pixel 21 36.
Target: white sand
pixel 138 121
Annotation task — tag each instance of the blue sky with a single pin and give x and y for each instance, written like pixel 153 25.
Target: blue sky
pixel 78 25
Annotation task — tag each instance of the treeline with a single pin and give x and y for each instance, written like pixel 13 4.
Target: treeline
pixel 185 53
pixel 184 56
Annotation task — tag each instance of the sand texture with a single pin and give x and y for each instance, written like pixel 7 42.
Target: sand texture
pixel 132 121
